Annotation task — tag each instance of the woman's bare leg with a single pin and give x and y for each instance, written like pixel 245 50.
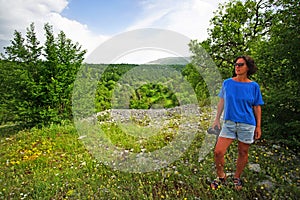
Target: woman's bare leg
pixel 242 160
pixel 220 150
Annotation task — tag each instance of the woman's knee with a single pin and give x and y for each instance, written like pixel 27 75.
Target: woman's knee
pixel 243 153
pixel 243 149
pixel 219 153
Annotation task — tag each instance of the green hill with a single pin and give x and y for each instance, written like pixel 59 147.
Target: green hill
pixel 171 61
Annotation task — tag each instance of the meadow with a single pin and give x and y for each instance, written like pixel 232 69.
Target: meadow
pixel 53 163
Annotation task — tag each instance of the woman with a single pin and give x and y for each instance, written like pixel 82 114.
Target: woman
pixel 241 100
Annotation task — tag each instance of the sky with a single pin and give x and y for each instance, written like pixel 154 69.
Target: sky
pixel 92 22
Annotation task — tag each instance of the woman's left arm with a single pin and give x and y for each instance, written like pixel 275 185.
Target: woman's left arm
pixel 257 113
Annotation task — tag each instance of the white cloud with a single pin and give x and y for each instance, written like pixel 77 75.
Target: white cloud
pixel 18 14
pixel 189 17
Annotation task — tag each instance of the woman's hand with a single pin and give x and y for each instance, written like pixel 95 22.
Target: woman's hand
pixel 257 132
pixel 216 123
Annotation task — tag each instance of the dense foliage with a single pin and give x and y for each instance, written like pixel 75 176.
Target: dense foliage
pixel 136 87
pixel 37 81
pixel 40 92
pixel 268 31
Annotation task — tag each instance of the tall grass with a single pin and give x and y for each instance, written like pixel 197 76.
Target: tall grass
pixel 52 163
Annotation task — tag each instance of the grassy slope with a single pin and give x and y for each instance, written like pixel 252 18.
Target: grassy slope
pixel 52 163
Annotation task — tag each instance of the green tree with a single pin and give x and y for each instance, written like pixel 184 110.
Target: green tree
pixel 42 92
pixel 193 76
pixel 17 51
pixel 50 51
pixel 279 61
pixel 236 26
pixel 65 66
pixel 9 76
pixel 22 50
pixel 34 50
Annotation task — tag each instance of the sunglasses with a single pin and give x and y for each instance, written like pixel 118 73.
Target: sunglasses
pixel 239 64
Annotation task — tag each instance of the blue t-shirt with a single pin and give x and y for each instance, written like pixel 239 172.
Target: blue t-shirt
pixel 239 99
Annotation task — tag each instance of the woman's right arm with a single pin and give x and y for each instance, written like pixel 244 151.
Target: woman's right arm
pixel 220 109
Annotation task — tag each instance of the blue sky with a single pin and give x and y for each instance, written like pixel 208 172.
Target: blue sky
pixel 105 16
pixel 92 22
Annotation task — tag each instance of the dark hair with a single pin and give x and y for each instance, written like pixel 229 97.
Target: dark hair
pixel 250 64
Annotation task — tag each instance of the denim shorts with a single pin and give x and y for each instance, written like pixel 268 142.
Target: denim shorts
pixel 241 131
